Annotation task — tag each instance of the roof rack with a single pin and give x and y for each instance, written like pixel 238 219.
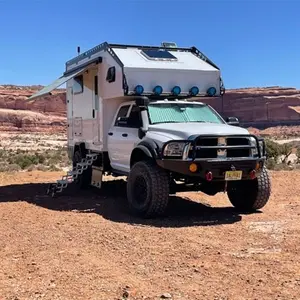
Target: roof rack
pixel 103 46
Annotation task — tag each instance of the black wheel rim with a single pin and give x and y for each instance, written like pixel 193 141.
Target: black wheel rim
pixel 140 191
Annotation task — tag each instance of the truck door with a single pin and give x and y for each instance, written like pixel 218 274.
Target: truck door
pixel 123 136
pixel 95 113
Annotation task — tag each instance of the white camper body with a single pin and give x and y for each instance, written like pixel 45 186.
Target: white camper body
pixel 99 80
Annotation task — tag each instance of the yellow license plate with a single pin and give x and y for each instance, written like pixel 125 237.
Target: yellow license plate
pixel 233 175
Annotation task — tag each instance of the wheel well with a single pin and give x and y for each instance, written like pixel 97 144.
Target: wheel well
pixel 139 154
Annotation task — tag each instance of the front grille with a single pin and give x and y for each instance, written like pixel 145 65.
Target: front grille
pixel 207 152
pixel 210 147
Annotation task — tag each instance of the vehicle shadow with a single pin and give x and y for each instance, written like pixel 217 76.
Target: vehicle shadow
pixel 110 202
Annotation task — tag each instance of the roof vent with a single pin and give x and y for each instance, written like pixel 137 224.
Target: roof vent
pixel 169 45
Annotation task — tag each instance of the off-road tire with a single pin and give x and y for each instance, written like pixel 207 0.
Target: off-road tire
pixel 147 190
pixel 250 195
pixel 83 181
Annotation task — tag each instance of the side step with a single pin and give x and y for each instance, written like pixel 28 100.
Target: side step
pixel 71 175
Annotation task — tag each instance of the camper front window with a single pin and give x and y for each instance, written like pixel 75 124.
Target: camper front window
pixel 182 113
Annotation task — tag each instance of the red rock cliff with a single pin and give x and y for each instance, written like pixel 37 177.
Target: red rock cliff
pixel 260 105
pixel 47 114
pixel 250 105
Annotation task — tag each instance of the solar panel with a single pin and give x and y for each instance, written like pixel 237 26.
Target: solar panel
pixel 159 54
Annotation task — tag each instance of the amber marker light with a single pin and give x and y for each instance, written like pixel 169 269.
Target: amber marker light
pixel 193 168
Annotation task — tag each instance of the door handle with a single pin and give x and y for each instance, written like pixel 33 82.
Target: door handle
pixel 110 133
pixel 125 134
pixel 93 113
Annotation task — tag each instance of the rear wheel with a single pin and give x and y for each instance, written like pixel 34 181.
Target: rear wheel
pixel 250 195
pixel 83 181
pixel 147 190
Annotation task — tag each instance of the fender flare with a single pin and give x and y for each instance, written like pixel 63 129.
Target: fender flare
pixel 151 146
pixel 146 149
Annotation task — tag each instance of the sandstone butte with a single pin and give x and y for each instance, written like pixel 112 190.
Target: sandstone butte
pixel 255 107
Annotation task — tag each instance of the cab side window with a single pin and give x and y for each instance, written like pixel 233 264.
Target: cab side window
pixel 134 119
pixel 122 114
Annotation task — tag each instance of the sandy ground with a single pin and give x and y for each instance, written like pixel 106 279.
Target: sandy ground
pixel 85 245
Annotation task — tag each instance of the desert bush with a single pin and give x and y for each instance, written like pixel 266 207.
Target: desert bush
pixel 270 164
pixel 273 149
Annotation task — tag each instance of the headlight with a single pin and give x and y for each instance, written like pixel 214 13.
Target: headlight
pixel 254 150
pixel 261 147
pixel 253 143
pixel 174 149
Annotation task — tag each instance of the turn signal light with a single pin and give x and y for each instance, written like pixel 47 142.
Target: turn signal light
pixel 209 176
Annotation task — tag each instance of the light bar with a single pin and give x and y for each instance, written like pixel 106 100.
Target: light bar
pixel 158 90
pixel 211 91
pixel 139 90
pixel 176 90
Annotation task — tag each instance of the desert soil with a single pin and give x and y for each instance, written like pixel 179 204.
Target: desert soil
pixel 84 245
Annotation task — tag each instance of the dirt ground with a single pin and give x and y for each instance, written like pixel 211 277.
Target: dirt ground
pixel 85 245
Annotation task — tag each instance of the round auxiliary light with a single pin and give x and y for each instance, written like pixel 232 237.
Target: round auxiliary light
pixel 194 91
pixel 176 90
pixel 211 91
pixel 139 90
pixel 158 90
pixel 193 167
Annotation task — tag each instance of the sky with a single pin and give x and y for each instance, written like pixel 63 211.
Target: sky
pixel 255 43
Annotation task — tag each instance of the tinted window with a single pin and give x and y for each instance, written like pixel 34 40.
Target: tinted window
pixel 111 74
pixel 162 54
pixel 122 113
pixel 134 119
pixel 78 84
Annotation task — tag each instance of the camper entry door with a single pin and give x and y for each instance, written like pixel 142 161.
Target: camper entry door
pixel 95 112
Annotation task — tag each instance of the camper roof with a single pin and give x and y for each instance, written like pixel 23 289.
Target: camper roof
pixel 166 66
pixel 125 53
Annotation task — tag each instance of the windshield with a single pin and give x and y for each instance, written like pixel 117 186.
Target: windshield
pixel 182 113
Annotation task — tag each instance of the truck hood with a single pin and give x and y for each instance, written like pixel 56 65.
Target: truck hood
pixel 185 130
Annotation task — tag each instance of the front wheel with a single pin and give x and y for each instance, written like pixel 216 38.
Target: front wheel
pixel 147 189
pixel 250 195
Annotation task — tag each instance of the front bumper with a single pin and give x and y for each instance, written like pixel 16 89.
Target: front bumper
pixel 215 166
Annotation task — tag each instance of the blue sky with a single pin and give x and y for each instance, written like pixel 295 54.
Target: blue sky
pixel 255 43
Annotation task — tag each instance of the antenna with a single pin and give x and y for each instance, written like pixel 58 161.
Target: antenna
pixel 78 50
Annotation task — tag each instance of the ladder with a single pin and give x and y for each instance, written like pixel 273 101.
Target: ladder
pixel 71 175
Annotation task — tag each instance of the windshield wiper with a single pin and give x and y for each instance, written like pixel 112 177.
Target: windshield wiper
pixel 165 122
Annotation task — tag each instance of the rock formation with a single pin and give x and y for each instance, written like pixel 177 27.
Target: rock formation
pixel 48 114
pixel 253 106
pixel 261 106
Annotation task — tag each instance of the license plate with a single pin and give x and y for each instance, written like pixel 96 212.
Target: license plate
pixel 233 175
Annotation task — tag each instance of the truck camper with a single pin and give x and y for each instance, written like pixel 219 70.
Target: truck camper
pixel 136 111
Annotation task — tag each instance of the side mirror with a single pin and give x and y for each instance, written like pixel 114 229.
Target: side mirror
pixel 122 121
pixel 233 121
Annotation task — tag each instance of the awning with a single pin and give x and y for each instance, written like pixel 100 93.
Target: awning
pixel 58 82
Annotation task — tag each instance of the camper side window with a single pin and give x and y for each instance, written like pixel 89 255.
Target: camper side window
pixel 122 114
pixel 111 74
pixel 78 84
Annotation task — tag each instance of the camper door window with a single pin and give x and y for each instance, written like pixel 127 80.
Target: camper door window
pixel 78 84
